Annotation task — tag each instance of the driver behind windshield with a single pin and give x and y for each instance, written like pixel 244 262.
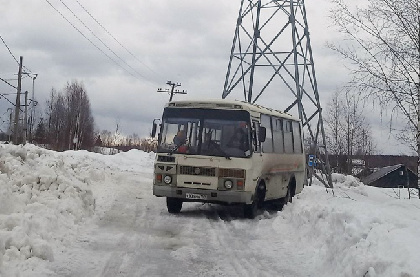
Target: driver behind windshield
pixel 239 140
pixel 180 138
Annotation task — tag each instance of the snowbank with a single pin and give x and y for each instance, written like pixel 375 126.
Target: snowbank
pixel 43 196
pixel 81 213
pixel 360 231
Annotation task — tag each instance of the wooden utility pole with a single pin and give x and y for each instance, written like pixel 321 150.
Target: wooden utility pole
pixel 17 107
pixel 418 131
pixel 172 91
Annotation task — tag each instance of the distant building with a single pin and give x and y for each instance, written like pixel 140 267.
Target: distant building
pixel 392 177
pixel 363 165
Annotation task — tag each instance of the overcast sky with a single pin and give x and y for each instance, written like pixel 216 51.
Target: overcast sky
pixel 147 44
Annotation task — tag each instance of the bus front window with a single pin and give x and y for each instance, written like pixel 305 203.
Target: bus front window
pixel 206 132
pixel 225 138
pixel 179 135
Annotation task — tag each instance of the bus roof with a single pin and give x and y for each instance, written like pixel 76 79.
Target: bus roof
pixel 229 105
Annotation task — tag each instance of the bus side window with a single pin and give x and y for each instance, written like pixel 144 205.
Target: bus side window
pixel 278 135
pixel 255 131
pixel 267 145
pixel 288 136
pixel 297 138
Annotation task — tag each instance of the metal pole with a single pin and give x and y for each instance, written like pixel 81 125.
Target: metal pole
pixel 25 124
pixel 10 123
pixel 254 50
pixel 17 108
pixel 31 125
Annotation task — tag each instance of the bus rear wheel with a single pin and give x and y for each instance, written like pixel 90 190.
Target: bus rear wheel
pixel 279 204
pixel 174 205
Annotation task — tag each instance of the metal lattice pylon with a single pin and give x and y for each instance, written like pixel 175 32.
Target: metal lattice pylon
pixel 271 55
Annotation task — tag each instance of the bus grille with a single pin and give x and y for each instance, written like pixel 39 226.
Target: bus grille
pixel 231 173
pixel 199 171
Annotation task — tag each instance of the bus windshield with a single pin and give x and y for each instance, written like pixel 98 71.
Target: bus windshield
pixel 210 132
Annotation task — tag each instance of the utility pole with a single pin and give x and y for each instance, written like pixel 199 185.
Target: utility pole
pixel 25 124
pixel 32 120
pixel 17 107
pixel 10 123
pixel 418 107
pixel 172 91
pixel 418 134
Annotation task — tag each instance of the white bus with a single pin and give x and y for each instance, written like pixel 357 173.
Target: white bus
pixel 227 152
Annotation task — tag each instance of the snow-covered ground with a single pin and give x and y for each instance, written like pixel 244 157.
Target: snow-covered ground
pixel 87 214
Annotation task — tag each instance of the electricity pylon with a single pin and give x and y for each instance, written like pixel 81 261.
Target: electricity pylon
pixel 271 56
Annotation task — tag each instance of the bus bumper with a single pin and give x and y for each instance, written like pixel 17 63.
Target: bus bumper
pixel 201 195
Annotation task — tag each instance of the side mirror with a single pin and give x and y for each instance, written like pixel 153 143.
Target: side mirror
pixel 154 128
pixel 153 134
pixel 262 134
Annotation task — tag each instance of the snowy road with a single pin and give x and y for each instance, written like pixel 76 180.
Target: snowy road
pixel 85 214
pixel 136 236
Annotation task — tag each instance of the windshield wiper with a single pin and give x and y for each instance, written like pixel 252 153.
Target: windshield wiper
pixel 173 150
pixel 222 151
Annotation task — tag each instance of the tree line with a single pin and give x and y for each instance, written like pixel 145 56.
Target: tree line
pixel 348 131
pixel 382 45
pixel 68 122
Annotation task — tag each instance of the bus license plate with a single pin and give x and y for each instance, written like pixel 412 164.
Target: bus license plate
pixel 195 196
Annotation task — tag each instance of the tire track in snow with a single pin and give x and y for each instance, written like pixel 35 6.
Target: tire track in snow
pixel 241 247
pixel 136 216
pixel 136 236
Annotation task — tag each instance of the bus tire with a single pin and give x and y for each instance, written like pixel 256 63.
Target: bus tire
pixel 174 205
pixel 288 197
pixel 251 210
pixel 290 192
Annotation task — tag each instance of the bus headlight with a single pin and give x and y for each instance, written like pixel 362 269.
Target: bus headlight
pixel 167 179
pixel 228 184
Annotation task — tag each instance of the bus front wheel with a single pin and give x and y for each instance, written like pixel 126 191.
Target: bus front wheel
pixel 251 210
pixel 174 205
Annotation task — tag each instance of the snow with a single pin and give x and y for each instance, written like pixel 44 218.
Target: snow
pixel 88 214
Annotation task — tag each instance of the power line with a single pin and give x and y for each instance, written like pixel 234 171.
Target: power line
pixel 10 51
pixel 91 42
pixel 128 51
pixel 7 83
pixel 2 95
pixel 106 46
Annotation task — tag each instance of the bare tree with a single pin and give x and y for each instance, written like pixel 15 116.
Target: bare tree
pixel 348 132
pixel 80 123
pixel 56 122
pixel 40 132
pixel 70 122
pixel 106 137
pixel 384 48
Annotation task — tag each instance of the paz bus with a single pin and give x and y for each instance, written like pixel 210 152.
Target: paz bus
pixel 227 152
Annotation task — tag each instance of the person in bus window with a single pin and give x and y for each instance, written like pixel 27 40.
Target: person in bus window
pixel 180 138
pixel 238 140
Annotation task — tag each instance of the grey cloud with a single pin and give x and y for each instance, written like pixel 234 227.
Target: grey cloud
pixel 182 41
